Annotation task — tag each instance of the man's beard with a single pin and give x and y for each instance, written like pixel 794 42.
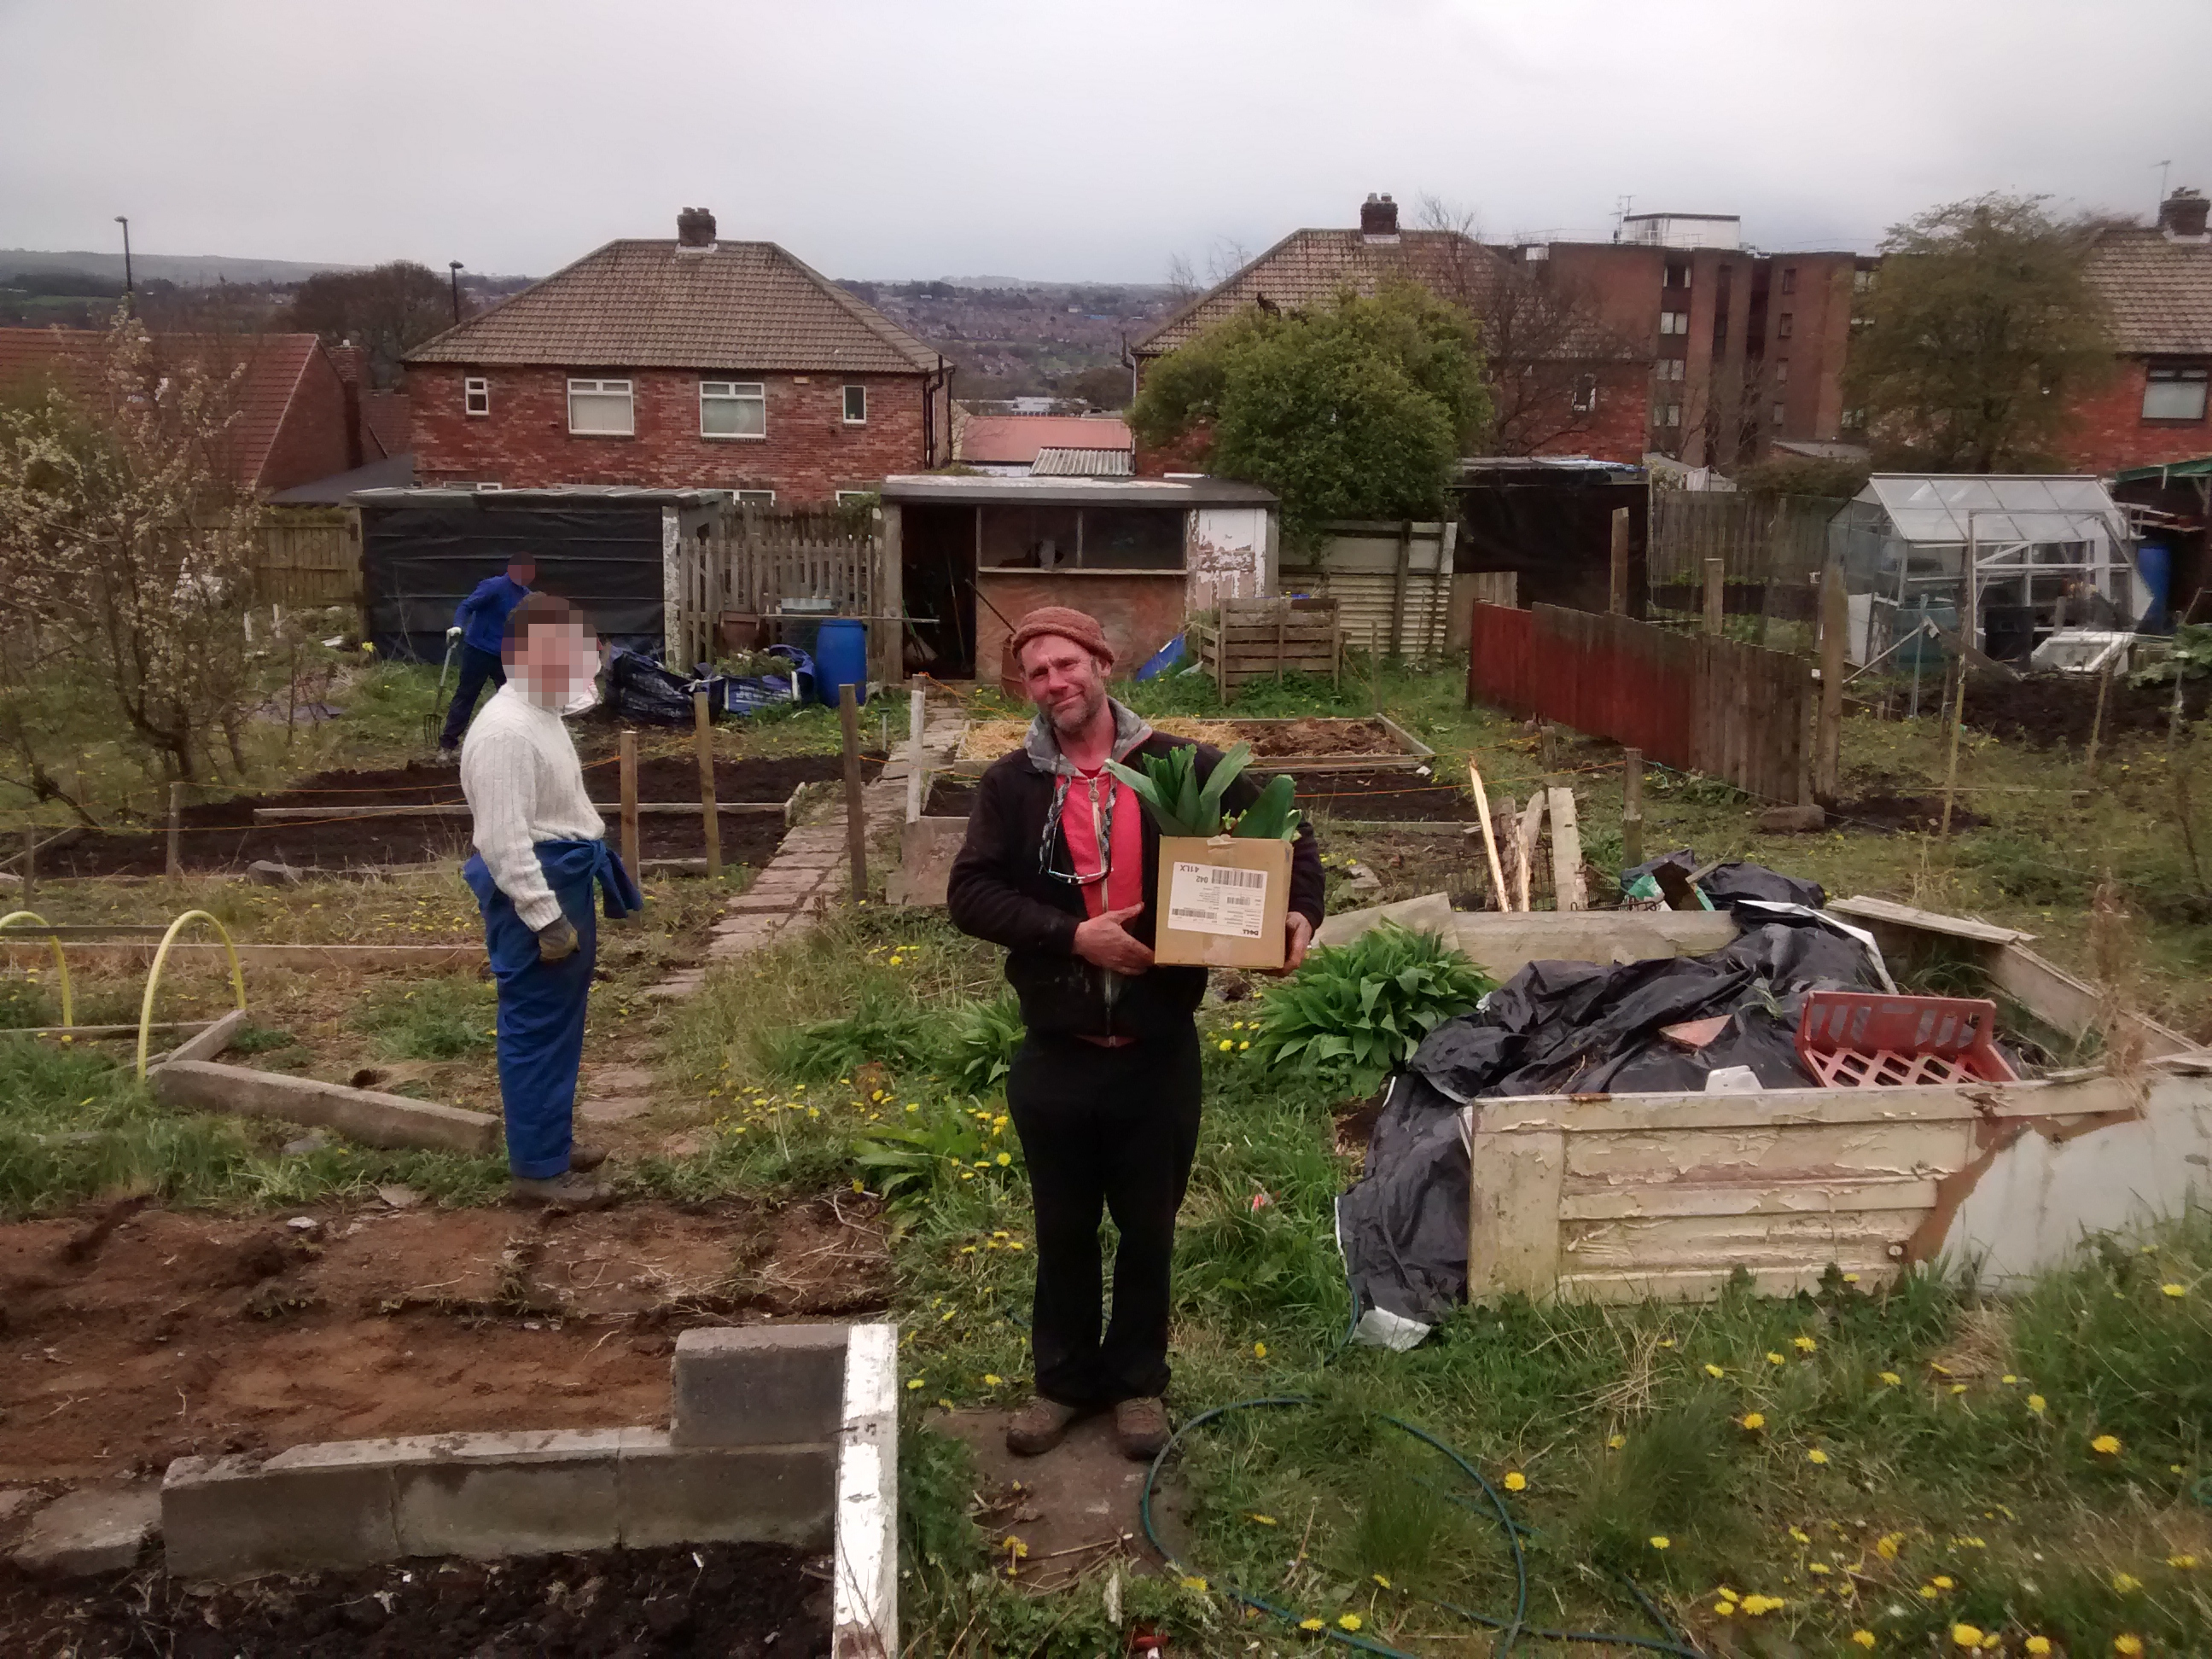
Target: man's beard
pixel 1083 713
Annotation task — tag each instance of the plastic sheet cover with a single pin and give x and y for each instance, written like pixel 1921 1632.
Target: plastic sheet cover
pixel 1573 1028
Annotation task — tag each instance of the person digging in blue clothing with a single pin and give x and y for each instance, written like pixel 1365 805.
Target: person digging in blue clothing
pixel 480 623
pixel 541 858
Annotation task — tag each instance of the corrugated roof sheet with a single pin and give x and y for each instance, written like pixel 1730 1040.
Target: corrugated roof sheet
pixel 1015 439
pixel 1083 464
pixel 274 366
pixel 1309 267
pixel 2160 290
pixel 1933 508
pixel 735 306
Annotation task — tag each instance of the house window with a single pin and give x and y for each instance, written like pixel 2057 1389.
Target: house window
pixel 2175 392
pixel 1674 322
pixel 601 409
pixel 856 498
pixel 1585 398
pixel 1677 274
pixel 732 408
pixel 1862 281
pixel 1788 279
pixel 1855 417
pixel 1667 414
pixel 1777 414
pixel 756 498
pixel 1782 373
pixel 1785 326
pixel 1669 368
pixel 856 405
pixel 475 395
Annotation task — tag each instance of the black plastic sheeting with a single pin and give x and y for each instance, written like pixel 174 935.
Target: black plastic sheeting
pixel 1568 1027
pixel 1727 884
pixel 418 562
pixel 1554 531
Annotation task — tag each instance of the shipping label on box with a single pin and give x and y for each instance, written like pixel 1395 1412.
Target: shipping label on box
pixel 1222 901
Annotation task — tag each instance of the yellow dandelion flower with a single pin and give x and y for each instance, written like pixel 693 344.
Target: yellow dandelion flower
pixel 1227 1045
pixel 1850 1279
pixel 1725 1609
pixel 1661 1541
pixel 1259 1519
pixel 1349 1622
pixel 2131 1646
pixel 1888 1544
pixel 1863 1639
pixel 1816 1455
pixel 1517 1481
pixel 2105 1445
pixel 2035 1402
pixel 1667 1343
pixel 1311 1623
pixel 1191 1581
pixel 2039 1646
pixel 2126 1583
pixel 1760 1605
pixel 992 1380
pixel 2009 1379
pixel 1803 1344
pixel 1801 1536
pixel 1965 1635
pixel 1014 1546
pixel 1259 1350
pixel 1715 1370
pixel 1943 1582
pixel 914 1383
pixel 1773 1359
pixel 1242 1046
pixel 2186 1563
pixel 1958 1388
pixel 1725 1592
pixel 1754 1420
pixel 1004 1159
pixel 1928 1592
pixel 1819 1568
pixel 2174 1290
pixel 1939 1368
pixel 1380 1580
pixel 1616 1442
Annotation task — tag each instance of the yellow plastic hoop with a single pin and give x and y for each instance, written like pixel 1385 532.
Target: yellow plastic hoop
pixel 61 963
pixel 154 976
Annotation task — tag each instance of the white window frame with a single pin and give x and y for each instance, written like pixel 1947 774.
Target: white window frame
pixel 475 395
pixel 1785 325
pixel 755 497
pixel 1780 413
pixel 2181 377
pixel 1789 283
pixel 1585 398
pixel 862 418
pixel 1674 322
pixel 1669 368
pixel 856 497
pixel 733 392
pixel 1667 415
pixel 604 389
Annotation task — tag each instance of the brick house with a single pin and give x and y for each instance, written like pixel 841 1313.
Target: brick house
pixel 2157 282
pixel 295 419
pixel 1563 380
pixel 686 364
pixel 1748 348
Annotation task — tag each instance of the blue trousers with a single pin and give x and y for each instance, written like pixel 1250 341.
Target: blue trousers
pixel 541 1004
pixel 478 665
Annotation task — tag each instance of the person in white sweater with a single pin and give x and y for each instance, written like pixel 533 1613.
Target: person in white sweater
pixel 541 853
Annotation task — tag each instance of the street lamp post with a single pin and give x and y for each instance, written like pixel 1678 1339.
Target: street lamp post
pixel 123 222
pixel 454 266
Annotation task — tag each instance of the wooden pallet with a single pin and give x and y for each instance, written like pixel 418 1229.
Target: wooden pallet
pixel 1259 639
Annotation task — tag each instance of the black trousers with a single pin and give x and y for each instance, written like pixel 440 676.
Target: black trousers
pixel 1112 1131
pixel 478 665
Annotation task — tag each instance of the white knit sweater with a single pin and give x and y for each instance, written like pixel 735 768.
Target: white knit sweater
pixel 525 785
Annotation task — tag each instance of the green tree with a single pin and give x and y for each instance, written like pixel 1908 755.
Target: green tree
pixel 1980 327
pixel 1356 409
pixel 389 309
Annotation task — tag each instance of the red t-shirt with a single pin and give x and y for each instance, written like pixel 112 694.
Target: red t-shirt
pixel 1125 872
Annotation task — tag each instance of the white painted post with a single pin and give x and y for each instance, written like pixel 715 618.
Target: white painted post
pixel 913 723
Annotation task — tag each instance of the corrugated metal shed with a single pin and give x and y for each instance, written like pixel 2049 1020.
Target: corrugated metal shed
pixel 1392 584
pixel 1082 464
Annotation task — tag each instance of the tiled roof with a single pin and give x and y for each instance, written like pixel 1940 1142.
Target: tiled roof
pixel 653 305
pixel 2159 291
pixel 1310 267
pixel 1083 464
pixel 274 364
pixel 387 415
pixel 1014 439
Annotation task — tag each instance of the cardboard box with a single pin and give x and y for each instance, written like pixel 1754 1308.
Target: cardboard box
pixel 1222 901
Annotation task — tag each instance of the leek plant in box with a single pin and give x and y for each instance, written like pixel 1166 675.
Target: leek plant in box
pixel 1169 787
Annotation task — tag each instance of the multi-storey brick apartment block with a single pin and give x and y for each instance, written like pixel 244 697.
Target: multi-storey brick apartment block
pixel 1565 382
pixel 2157 282
pixel 1747 347
pixel 693 363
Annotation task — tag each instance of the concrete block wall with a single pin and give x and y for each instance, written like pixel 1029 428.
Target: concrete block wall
pixel 782 1434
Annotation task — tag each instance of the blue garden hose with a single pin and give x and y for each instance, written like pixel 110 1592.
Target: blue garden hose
pixel 1511 1630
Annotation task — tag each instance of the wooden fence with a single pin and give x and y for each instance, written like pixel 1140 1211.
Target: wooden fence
pixel 1700 703
pixel 309 564
pixel 1769 548
pixel 824 559
pixel 1392 580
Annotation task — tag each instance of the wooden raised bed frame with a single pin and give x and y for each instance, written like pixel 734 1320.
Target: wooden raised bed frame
pixel 1410 755
pixel 1616 1198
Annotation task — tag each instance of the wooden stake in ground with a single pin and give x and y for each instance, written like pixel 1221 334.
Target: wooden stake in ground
pixel 704 731
pixel 2096 727
pixel 30 888
pixel 1631 808
pixel 176 864
pixel 629 802
pixel 856 814
pixel 1489 836
pixel 1716 574
pixel 1617 589
pixel 1835 623
pixel 1572 892
pixel 1524 846
pixel 1951 765
pixel 914 780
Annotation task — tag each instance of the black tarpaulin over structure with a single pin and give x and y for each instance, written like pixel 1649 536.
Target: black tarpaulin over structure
pixel 422 551
pixel 1561 1027
pixel 1550 524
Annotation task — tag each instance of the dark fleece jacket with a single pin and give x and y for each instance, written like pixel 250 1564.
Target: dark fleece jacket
pixel 998 893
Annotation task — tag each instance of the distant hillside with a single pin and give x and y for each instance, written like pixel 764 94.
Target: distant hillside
pixel 188 269
pixel 1012 339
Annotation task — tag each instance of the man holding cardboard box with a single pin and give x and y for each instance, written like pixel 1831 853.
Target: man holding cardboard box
pixel 1061 866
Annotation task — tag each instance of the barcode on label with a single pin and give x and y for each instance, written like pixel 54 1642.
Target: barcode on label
pixel 1217 876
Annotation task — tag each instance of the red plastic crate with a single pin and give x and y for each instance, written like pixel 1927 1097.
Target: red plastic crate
pixel 1869 1040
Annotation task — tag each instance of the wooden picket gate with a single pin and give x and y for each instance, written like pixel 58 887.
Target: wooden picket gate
pixel 826 560
pixel 1698 702
pixel 309 564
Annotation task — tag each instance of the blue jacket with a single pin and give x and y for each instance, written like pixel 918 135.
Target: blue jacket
pixel 482 616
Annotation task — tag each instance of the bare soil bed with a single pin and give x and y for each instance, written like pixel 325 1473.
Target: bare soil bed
pixel 1888 814
pixel 1398 797
pixel 2046 710
pixel 732 1600
pixel 176 1332
pixel 223 834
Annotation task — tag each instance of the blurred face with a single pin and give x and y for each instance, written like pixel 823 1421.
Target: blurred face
pixel 521 572
pixel 1066 682
pixel 557 661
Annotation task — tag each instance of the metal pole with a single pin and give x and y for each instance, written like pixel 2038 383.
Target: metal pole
pixel 453 269
pixel 856 816
pixel 707 811
pixel 1632 809
pixel 176 861
pixel 123 222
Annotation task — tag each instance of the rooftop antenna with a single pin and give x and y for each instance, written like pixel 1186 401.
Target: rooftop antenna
pixel 1620 216
pixel 2162 167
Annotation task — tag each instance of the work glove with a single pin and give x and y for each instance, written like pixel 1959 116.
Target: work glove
pixel 454 632
pixel 556 939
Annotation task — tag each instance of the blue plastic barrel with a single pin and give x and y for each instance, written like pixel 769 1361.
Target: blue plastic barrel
pixel 2155 564
pixel 841 658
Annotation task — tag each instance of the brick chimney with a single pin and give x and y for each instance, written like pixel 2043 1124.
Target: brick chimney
pixel 2181 216
pixel 1378 218
pixel 695 227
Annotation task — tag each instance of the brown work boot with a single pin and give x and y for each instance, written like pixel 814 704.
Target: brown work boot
pixel 563 1192
pixel 1141 1426
pixel 1039 1426
pixel 583 1159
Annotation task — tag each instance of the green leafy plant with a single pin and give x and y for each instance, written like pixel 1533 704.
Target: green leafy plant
pixel 981 1051
pixel 908 1165
pixel 2192 657
pixel 883 1029
pixel 1356 1014
pixel 1181 804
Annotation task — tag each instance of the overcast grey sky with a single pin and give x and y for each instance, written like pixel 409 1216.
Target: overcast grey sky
pixel 931 137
